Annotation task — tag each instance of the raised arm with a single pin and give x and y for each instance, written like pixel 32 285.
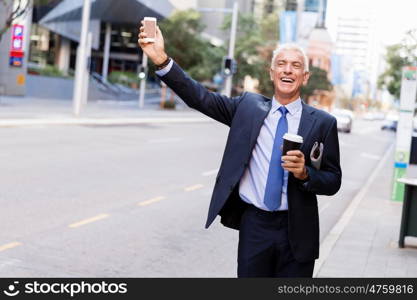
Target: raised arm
pixel 214 105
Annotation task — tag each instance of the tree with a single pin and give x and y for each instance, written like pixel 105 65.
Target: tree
pixel 256 39
pixel 397 56
pixel 13 10
pixel 17 8
pixel 184 43
pixel 318 81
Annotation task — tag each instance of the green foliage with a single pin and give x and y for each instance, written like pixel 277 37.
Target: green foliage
pixel 256 39
pixel 184 43
pixel 318 81
pixel 398 56
pixel 125 78
pixel 47 70
pixel 169 105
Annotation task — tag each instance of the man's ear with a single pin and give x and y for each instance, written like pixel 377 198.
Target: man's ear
pixel 271 74
pixel 306 77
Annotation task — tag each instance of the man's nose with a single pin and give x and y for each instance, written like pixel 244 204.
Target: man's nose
pixel 287 68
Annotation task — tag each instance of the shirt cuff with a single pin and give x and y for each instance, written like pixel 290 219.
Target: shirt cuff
pixel 165 70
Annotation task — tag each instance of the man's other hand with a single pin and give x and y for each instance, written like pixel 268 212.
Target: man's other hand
pixel 294 162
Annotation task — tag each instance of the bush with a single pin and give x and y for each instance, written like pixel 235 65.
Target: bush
pixel 47 70
pixel 169 105
pixel 125 78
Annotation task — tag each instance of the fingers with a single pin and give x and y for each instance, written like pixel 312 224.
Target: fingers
pixel 141 38
pixel 295 152
pixel 291 164
pixel 293 161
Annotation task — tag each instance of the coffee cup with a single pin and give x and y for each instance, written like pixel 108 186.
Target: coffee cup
pixel 291 142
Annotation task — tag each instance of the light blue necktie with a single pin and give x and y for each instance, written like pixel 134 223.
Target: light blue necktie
pixel 273 189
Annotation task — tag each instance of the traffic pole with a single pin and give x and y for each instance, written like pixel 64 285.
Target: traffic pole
pixel 229 79
pixel 81 62
pixel 143 81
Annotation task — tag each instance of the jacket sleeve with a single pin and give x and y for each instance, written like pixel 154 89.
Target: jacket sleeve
pixel 214 105
pixel 326 180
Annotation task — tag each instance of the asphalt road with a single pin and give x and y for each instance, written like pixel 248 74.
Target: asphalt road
pixel 131 201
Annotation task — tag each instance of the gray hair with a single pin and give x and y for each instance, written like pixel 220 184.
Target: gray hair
pixel 290 46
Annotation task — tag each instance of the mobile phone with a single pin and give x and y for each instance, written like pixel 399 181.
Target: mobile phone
pixel 149 24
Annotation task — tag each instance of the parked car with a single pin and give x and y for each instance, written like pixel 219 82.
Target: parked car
pixel 344 120
pixel 390 125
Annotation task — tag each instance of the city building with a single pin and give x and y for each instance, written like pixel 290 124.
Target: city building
pixel 356 43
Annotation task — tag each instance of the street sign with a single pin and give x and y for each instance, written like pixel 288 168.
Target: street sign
pixel 404 129
pixel 16 49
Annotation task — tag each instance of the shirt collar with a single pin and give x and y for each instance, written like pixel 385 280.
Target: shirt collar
pixel 292 107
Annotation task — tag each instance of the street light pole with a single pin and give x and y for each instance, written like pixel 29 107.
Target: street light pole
pixel 143 81
pixel 229 79
pixel 81 63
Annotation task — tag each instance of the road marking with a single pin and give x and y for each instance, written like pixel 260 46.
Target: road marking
pixel 152 200
pixel 193 187
pixel 10 246
pixel 209 173
pixel 166 140
pixel 90 220
pixel 335 233
pixel 371 156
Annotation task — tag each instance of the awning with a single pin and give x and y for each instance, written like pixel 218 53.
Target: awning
pixel 65 18
pixel 112 11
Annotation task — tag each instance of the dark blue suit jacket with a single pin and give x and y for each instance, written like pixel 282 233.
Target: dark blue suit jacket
pixel 245 115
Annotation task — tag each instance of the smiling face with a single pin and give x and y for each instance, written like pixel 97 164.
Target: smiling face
pixel 288 74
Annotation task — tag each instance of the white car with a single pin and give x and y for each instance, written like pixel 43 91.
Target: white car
pixel 344 119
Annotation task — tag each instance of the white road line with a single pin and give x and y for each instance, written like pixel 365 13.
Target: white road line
pixel 209 173
pixel 152 200
pixel 166 140
pixel 193 187
pixel 371 156
pixel 9 246
pixel 89 220
pixel 334 234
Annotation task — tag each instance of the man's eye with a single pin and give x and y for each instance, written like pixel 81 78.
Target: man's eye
pixel 297 66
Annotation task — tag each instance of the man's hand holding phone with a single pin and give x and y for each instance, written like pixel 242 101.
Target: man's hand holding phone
pixel 152 44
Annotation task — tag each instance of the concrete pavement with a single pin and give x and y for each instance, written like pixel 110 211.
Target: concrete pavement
pixel 364 243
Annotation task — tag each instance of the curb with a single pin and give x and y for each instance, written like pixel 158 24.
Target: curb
pixel 97 121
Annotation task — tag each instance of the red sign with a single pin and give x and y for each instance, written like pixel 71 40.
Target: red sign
pixel 16 51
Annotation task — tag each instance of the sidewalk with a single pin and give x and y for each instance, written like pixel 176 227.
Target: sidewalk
pixel 27 111
pixel 368 244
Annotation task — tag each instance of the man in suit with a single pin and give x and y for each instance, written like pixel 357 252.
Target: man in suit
pixel 269 197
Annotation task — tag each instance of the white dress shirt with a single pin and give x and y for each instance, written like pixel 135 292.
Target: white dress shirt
pixel 252 185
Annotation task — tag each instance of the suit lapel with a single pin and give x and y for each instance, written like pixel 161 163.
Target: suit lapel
pixel 306 123
pixel 261 111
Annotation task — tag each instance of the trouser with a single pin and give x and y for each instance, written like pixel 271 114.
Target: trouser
pixel 264 249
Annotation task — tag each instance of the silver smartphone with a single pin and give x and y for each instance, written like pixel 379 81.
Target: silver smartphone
pixel 149 24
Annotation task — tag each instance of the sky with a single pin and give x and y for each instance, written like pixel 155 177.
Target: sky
pixel 393 17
